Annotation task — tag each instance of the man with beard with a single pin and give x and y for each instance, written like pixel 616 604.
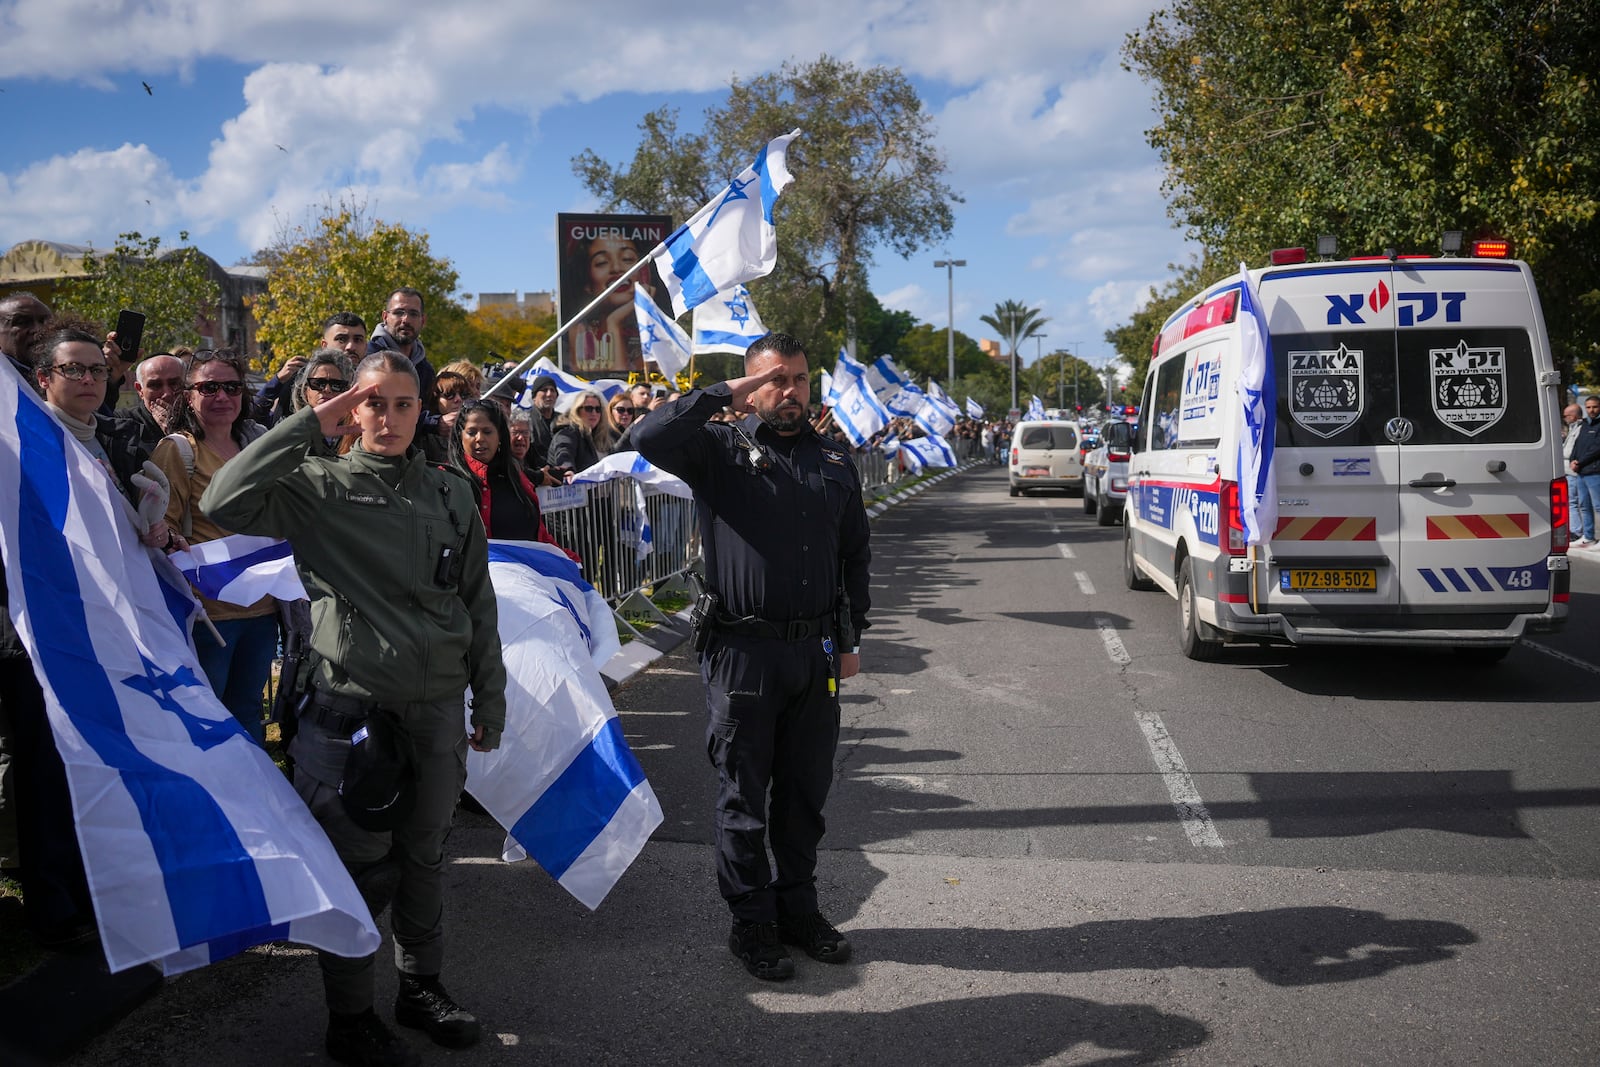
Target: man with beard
pixel 22 317
pixel 785 544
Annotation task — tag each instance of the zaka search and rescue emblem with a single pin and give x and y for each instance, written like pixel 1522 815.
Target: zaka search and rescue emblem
pixel 1325 389
pixel 1469 386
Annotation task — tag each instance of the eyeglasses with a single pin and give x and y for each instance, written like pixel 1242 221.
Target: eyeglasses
pixel 589 409
pixel 327 385
pixel 211 388
pixel 458 394
pixel 406 313
pixel 75 371
pixel 620 410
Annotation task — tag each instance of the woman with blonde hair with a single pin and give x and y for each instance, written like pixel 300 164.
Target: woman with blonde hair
pixel 582 435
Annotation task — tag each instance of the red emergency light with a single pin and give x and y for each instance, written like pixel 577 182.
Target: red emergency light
pixel 1283 257
pixel 1492 249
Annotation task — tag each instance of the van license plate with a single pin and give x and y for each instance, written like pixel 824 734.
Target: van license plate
pixel 1329 580
pixel 1036 472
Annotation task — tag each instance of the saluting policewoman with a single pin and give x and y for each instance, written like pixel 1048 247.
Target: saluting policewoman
pixel 394 558
pixel 785 536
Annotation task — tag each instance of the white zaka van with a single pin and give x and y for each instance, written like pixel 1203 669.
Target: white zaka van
pixel 1417 457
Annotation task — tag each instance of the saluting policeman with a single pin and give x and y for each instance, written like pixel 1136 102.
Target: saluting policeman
pixel 785 536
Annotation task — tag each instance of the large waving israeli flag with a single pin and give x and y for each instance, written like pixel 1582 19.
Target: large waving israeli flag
pixel 563 781
pixel 943 399
pixel 935 419
pixel 728 323
pixel 859 414
pixel 846 372
pixel 732 239
pixel 904 400
pixel 661 340
pixel 1255 410
pixel 928 452
pixel 196 846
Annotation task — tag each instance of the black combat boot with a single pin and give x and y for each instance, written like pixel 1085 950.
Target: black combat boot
pixel 363 1041
pixel 423 1004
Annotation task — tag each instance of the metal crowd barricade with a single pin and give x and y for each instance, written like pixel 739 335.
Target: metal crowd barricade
pixel 600 524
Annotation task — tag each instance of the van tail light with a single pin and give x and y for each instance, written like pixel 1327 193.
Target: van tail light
pixel 1116 456
pixel 1560 516
pixel 1014 455
pixel 1232 539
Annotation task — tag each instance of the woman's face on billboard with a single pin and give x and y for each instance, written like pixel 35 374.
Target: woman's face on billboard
pixel 609 259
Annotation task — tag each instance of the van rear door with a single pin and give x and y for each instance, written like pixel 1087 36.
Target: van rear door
pixel 1337 545
pixel 1476 460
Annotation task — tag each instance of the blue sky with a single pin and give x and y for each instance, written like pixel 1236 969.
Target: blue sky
pixel 461 120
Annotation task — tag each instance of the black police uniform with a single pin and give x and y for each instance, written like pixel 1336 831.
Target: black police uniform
pixel 784 530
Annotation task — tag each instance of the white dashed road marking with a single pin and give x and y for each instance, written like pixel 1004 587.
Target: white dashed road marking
pixel 1114 647
pixel 1180 786
pixel 1562 656
pixel 1085 586
pixel 1066 551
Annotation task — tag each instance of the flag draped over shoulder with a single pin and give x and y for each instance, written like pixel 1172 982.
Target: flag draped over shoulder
pixel 1255 410
pixel 661 340
pixel 195 845
pixel 728 323
pixel 732 239
pixel 563 781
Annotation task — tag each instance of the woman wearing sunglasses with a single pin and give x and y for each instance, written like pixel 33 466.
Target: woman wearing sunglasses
pixel 451 389
pixel 325 375
pixel 582 436
pixel 211 430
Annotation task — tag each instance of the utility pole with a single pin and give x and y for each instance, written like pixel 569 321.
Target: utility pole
pixel 950 266
pixel 1038 347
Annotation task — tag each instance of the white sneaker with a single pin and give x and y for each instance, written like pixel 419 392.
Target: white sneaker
pixel 1584 542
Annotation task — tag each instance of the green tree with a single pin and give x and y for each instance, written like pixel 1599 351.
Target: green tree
pixel 171 288
pixel 1015 322
pixel 509 330
pixel 1132 340
pixel 1059 379
pixel 343 261
pixel 924 350
pixel 1386 122
pixel 867 175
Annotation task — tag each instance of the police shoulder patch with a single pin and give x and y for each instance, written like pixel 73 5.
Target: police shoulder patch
pixel 835 457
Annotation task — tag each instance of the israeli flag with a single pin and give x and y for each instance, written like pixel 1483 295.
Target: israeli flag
pixel 569 386
pixel 732 239
pixel 905 400
pixel 845 372
pixel 825 387
pixel 563 781
pixel 859 414
pixel 934 419
pixel 1256 394
pixel 241 569
pixel 195 844
pixel 938 396
pixel 661 340
pixel 974 409
pixel 1035 411
pixel 727 324
pixel 928 452
pixel 887 378
pixel 642 472
pixel 890 445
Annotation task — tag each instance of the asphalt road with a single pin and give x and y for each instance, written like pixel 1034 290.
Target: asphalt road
pixel 1055 840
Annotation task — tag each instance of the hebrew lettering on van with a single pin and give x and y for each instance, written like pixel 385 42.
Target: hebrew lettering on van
pixel 1469 386
pixel 1326 391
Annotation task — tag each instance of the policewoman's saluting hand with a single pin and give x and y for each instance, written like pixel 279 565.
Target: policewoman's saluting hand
pixel 333 414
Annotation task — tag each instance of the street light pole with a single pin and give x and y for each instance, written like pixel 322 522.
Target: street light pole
pixel 1038 347
pixel 950 266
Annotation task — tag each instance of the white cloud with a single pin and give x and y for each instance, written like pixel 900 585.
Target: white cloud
pixel 90 196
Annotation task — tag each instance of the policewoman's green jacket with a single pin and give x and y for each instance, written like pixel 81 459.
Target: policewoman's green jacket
pixel 368 532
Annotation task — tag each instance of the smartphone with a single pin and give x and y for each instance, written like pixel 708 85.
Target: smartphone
pixel 130 334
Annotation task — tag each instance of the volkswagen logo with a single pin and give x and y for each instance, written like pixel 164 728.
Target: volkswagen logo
pixel 1398 430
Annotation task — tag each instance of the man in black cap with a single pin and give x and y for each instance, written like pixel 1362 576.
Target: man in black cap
pixel 540 426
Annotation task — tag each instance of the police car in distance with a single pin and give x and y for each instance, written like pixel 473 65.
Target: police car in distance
pixel 1408 414
pixel 1044 455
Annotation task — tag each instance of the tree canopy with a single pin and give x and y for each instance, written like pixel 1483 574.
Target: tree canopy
pixel 1385 123
pixel 343 261
pixel 867 175
pixel 172 289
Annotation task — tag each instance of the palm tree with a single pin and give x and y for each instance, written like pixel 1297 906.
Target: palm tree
pixel 1015 322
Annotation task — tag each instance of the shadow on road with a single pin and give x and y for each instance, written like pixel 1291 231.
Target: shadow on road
pixel 1283 946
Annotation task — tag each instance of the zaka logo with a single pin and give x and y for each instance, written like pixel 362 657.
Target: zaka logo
pixel 1413 309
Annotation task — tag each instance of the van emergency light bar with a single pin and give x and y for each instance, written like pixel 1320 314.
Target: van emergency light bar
pixel 1450 245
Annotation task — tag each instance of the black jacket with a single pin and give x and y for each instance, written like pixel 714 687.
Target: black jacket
pixel 1586 453
pixel 571 449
